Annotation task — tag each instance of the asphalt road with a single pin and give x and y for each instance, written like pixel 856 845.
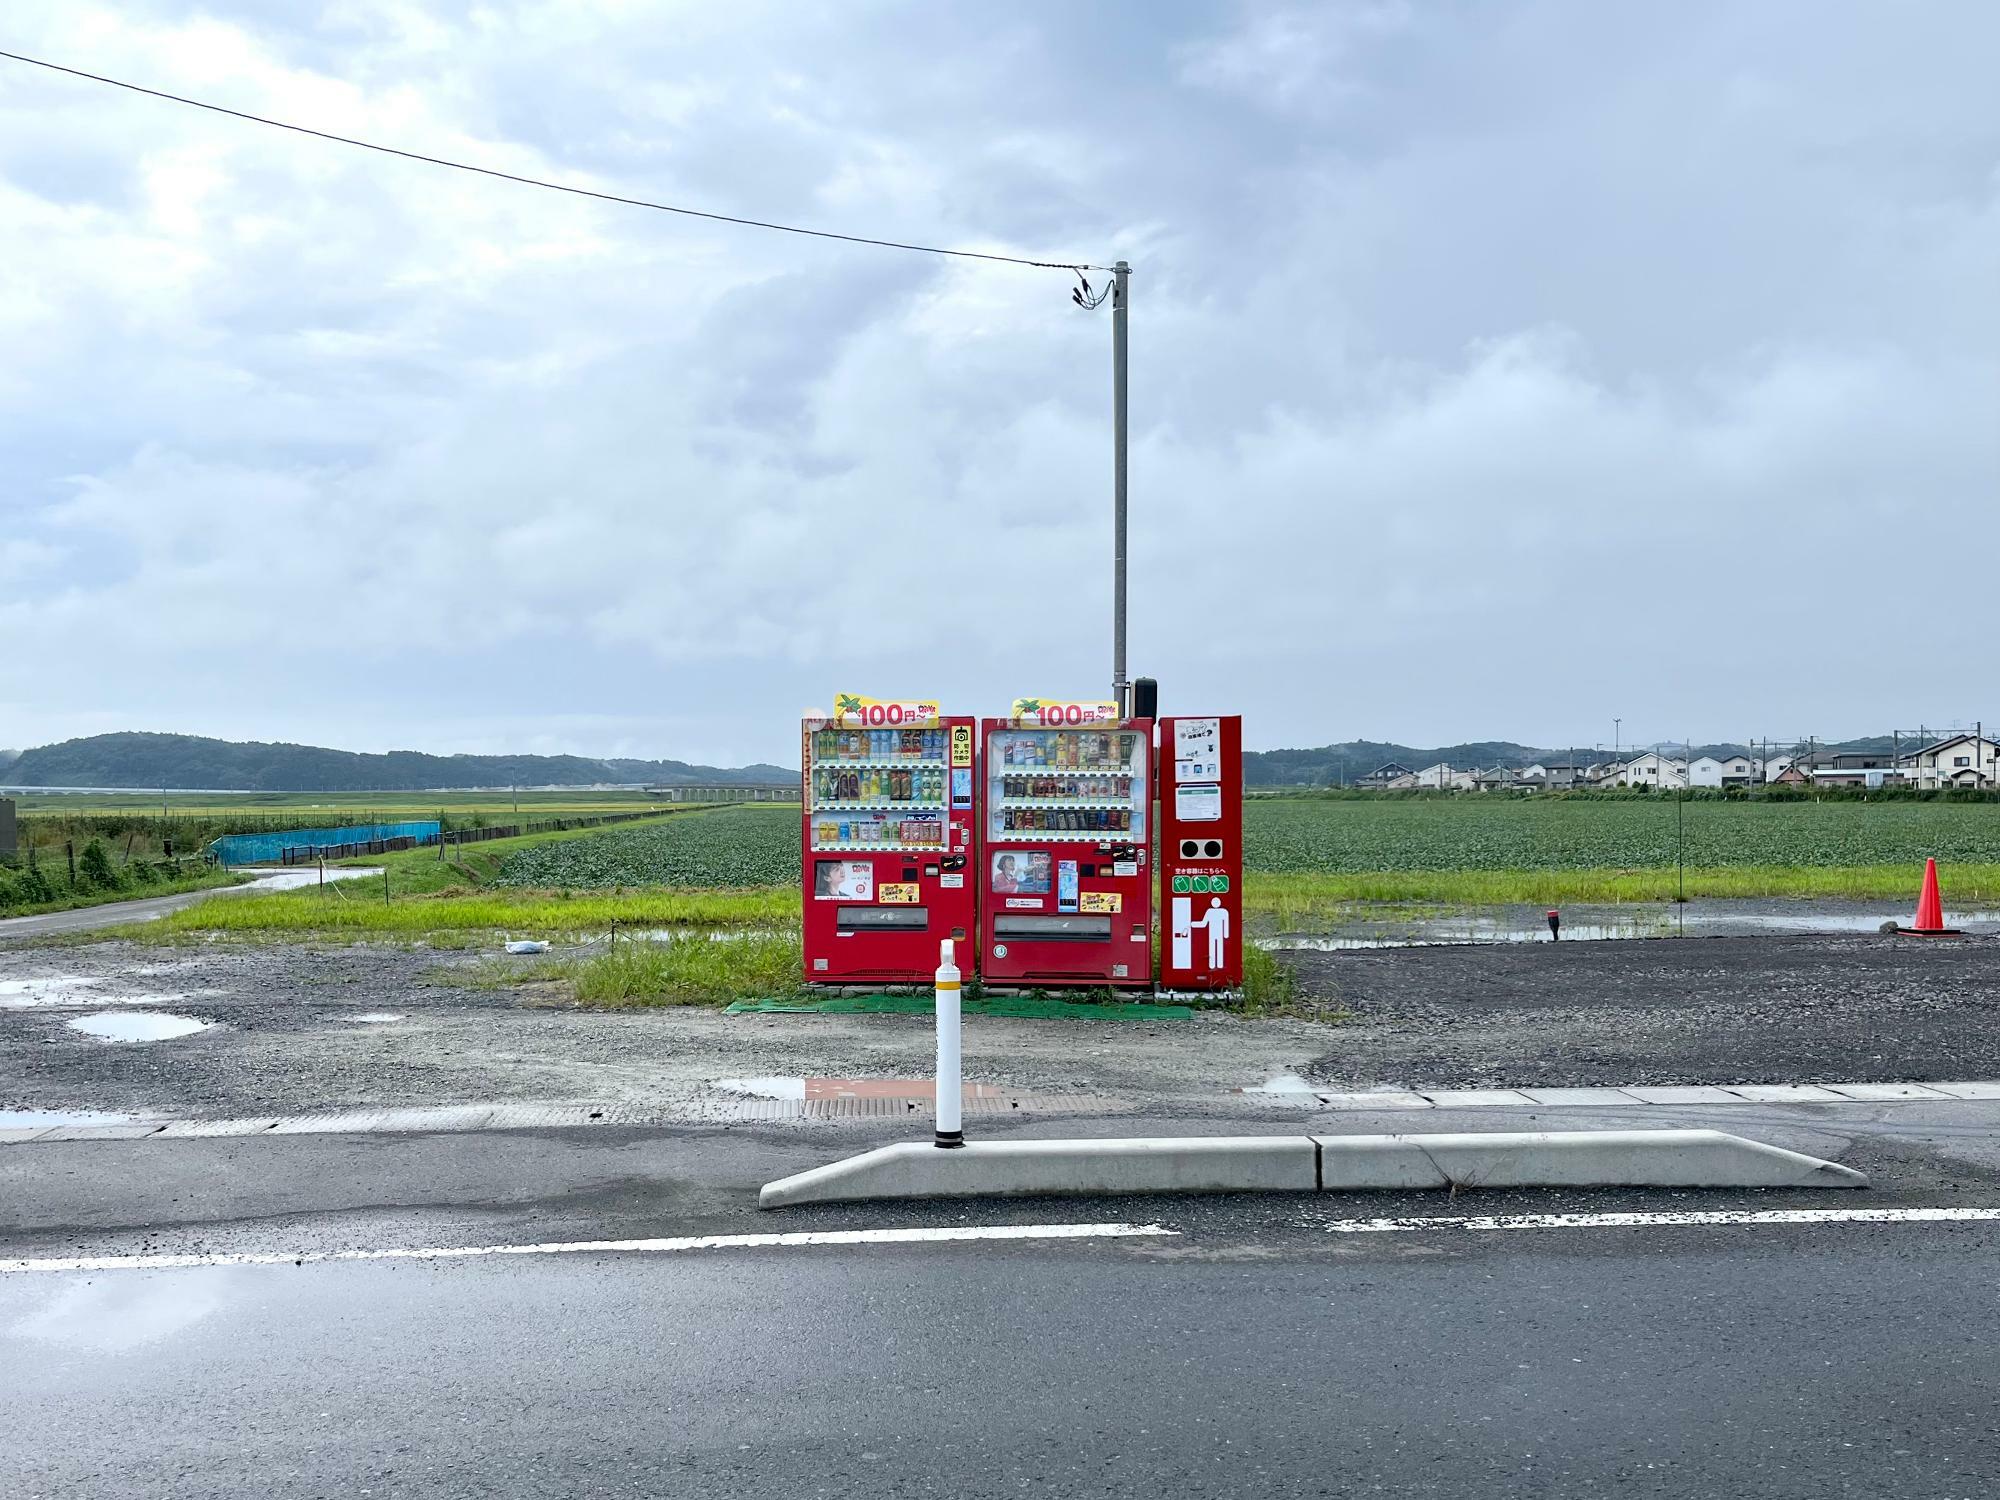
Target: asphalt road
pixel 1257 1345
pixel 1667 1362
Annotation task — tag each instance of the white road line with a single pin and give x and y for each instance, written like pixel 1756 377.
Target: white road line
pixel 579 1247
pixel 1670 1220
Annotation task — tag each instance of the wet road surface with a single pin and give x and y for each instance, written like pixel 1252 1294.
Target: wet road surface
pixel 1250 1354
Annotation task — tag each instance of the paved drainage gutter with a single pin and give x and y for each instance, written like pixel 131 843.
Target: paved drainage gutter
pixel 1306 1164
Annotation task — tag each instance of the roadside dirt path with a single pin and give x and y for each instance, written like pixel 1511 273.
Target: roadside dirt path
pixel 152 908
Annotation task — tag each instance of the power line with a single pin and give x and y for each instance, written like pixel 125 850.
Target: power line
pixel 554 187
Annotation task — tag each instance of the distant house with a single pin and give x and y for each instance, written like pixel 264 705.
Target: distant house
pixel 1441 777
pixel 1554 774
pixel 1407 782
pixel 1963 760
pixel 1652 769
pixel 1729 770
pixel 1845 768
pixel 1499 779
pixel 1835 768
pixel 1383 777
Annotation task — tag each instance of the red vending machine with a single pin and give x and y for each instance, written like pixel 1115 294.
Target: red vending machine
pixel 1065 883
pixel 889 799
pixel 1201 853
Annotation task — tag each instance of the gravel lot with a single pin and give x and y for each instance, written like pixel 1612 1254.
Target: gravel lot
pixel 289 1033
pixel 287 1038
pixel 1697 1010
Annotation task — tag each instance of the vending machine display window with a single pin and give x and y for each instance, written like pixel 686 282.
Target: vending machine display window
pixel 889 833
pixel 1066 785
pixel 1067 896
pixel 879 790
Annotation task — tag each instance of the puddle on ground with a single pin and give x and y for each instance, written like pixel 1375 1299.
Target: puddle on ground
pixel 137 1026
pixel 1475 932
pixel 375 1016
pixel 300 876
pixel 75 989
pixel 48 1119
pixel 50 989
pixel 849 1088
pixel 1386 929
pixel 111 1314
pixel 1281 1083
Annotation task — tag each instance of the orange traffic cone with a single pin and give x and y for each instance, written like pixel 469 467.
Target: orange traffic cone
pixel 1930 908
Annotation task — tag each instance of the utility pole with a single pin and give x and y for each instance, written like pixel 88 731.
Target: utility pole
pixel 1617 726
pixel 1121 297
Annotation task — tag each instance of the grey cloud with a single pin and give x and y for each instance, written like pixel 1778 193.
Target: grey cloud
pixel 1495 369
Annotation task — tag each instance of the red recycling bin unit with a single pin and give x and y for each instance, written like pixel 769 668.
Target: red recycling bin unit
pixel 1065 884
pixel 1201 852
pixel 889 800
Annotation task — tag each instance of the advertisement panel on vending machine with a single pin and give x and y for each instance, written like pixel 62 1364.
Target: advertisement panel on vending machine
pixel 890 798
pixel 1201 852
pixel 1065 882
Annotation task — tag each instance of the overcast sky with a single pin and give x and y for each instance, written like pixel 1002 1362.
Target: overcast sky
pixel 1496 369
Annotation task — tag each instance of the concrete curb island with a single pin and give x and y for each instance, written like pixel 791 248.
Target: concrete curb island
pixel 1309 1164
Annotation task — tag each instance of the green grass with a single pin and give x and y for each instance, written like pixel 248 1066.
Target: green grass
pixel 1296 901
pixel 760 966
pixel 74 900
pixel 693 971
pixel 355 911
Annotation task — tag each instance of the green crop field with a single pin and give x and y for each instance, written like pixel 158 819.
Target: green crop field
pixel 1355 835
pixel 729 847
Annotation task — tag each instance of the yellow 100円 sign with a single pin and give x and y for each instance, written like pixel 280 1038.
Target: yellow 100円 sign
pixel 851 711
pixel 1046 713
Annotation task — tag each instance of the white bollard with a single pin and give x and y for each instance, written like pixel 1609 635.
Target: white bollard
pixel 950 1128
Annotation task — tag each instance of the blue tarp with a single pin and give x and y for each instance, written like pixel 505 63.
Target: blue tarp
pixel 266 848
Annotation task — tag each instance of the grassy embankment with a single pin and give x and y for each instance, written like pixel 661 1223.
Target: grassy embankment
pixel 1300 901
pixel 455 902
pixel 16 901
pixel 154 845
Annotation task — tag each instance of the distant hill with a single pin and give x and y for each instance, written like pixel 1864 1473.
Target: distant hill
pixel 8 757
pixel 184 760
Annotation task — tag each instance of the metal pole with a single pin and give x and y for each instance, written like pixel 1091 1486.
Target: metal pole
pixel 1121 297
pixel 950 1128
